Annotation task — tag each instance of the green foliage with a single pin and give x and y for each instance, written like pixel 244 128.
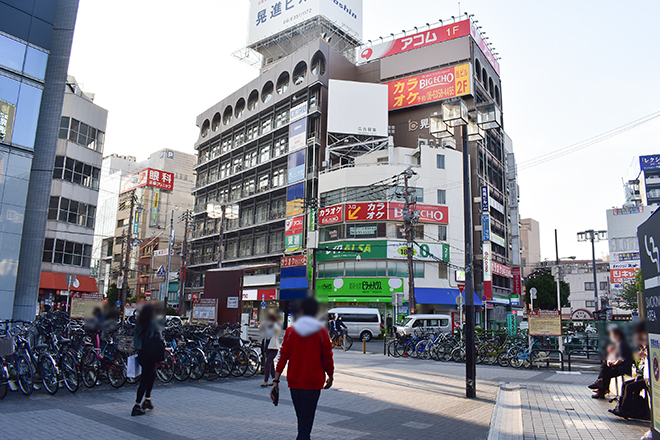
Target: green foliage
pixel 546 296
pixel 113 294
pixel 171 311
pixel 629 296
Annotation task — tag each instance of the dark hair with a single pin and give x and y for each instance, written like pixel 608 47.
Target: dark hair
pixel 271 317
pixel 145 318
pixel 309 307
pixel 640 328
pixel 618 333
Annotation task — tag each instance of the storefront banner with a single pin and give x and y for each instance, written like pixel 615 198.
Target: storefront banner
pixel 619 276
pixel 293 243
pixel 517 281
pixel 625 256
pixel 298 260
pixel 429 87
pixel 250 295
pixel 498 240
pixel 485 200
pixel 293 226
pixel 487 262
pixel 369 230
pixel 500 269
pixel 421 252
pixel 298 112
pixel 154 207
pixel 359 287
pixel 427 213
pixel 296 166
pixel 295 195
pixel 485 227
pixel 298 135
pixel 372 249
pixel 356 212
pixel 330 215
pixel 416 41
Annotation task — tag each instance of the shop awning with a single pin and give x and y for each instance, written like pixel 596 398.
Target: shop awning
pixel 57 281
pixel 440 296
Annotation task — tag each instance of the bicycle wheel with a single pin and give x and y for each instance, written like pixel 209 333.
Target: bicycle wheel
pixel 347 343
pixel 4 378
pixel 458 354
pixel 69 368
pixel 514 357
pixel 165 369
pixel 213 365
pixel 117 372
pixel 228 363
pixel 48 372
pixel 421 349
pixel 240 362
pixel 503 359
pixel 488 354
pixel 182 366
pixel 89 368
pixel 254 363
pixel 391 349
pixel 24 374
pixel 197 364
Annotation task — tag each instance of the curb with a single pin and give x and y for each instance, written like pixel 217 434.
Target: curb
pixel 507 423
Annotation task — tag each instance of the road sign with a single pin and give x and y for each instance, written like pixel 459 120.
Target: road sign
pixel 161 271
pixel 533 292
pixel 459 300
pixel 461 288
pixel 147 294
pixel 194 296
pixel 118 303
pixel 263 304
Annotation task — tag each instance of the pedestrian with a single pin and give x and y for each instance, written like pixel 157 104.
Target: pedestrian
pixel 271 330
pixel 151 350
pixel 618 365
pixel 632 405
pixel 388 323
pixel 308 351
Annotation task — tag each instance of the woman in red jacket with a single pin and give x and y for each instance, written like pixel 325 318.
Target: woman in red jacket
pixel 307 349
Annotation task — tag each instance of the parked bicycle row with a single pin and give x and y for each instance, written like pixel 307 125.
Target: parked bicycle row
pixel 57 352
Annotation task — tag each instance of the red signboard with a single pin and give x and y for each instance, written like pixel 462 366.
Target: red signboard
pixel 488 291
pixel 500 269
pixel 517 282
pixel 333 214
pixel 357 212
pixel 297 260
pixel 429 87
pixel 267 294
pixel 427 213
pixel 621 275
pixel 415 41
pixel 148 177
pixel 293 225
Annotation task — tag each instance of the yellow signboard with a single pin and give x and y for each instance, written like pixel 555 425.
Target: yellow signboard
pixel 545 323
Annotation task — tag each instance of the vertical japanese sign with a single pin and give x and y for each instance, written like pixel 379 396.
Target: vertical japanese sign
pixel 488 271
pixel 293 233
pixel 154 207
pixel 136 223
pixel 298 134
pixel 296 162
pixel 295 195
pixel 429 87
pixel 485 200
pixel 517 281
pixel 485 227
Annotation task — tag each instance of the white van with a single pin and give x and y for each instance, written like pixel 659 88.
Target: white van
pixel 434 323
pixel 361 323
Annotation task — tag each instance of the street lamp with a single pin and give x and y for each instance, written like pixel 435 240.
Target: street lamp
pixel 593 237
pixel 221 211
pixel 455 113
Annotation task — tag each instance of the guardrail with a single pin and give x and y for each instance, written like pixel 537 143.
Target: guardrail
pixel 548 359
pixel 589 360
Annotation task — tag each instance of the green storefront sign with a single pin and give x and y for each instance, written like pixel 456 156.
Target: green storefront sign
pixel 370 249
pixel 358 289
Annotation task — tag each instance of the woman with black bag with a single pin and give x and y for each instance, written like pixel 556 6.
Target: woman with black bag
pixel 151 350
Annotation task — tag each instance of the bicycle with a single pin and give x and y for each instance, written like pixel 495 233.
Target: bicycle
pixel 342 340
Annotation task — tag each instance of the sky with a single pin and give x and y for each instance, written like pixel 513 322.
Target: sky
pixel 570 71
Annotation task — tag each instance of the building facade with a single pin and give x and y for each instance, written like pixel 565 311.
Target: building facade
pixel 530 238
pixel 35 44
pixel 72 209
pixel 650 170
pixel 580 278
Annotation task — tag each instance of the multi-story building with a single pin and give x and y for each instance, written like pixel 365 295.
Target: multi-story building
pixel 35 44
pixel 74 196
pixel 272 149
pixel 530 238
pixel 580 277
pixel 650 168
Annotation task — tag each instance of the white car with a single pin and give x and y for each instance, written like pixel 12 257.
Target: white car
pixel 432 323
pixel 362 323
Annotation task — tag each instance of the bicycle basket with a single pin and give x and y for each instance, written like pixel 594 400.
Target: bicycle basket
pixel 6 347
pixel 124 343
pixel 229 342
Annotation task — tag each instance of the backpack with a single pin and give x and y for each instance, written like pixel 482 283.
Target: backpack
pixel 153 349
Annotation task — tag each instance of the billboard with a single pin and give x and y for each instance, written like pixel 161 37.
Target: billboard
pixel 622 272
pixel 647 163
pixel 294 199
pixel 370 249
pixel 359 289
pixel 356 212
pixel 484 48
pixel 269 17
pixel 415 41
pixel 298 134
pixel 427 213
pixel 421 251
pixel 368 118
pixel 148 177
pixel 502 270
pixel 297 260
pixel 331 215
pixel 296 166
pixel 488 267
pixel 429 87
pixel 298 112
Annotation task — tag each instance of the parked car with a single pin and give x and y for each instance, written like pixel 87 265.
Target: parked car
pixel 426 323
pixel 361 323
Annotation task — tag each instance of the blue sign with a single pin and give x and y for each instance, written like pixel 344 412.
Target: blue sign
pixel 296 166
pixel 263 304
pixel 161 271
pixel 170 154
pixel 647 163
pixel 485 206
pixel 485 227
pixel 118 303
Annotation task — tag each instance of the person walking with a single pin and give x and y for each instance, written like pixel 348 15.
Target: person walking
pixel 619 365
pixel 151 350
pixel 308 352
pixel 271 331
pixel 389 323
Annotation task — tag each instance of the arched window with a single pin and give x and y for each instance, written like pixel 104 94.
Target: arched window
pixel 282 83
pixel 490 87
pixel 226 115
pixel 267 92
pixel 240 108
pixel 484 77
pixel 205 128
pixel 215 124
pixel 299 73
pixel 252 100
pixel 318 64
pixel 497 96
pixel 477 68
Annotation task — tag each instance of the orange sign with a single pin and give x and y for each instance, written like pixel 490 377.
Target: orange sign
pixel 621 275
pixel 429 87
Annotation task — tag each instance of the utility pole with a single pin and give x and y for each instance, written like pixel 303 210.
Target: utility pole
pixel 184 263
pixel 558 278
pixel 127 256
pixel 408 227
pixel 169 258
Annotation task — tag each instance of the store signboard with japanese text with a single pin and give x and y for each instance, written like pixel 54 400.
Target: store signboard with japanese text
pixel 625 256
pixel 623 272
pixel 430 87
pixel 155 203
pixel 421 251
pixel 416 41
pixel 298 112
pixel 648 163
pixel 369 118
pixel 293 234
pixel 295 195
pixel 298 135
pixel 293 261
pixel 628 210
pixel 502 270
pixel 296 163
pixel 205 310
pixel 357 212
pixel 427 213
pixel 485 227
pixel 485 200
pixel 369 249
pixel 544 323
pixel 356 289
pixel 490 56
pixel 84 304
pixel 497 239
pixel 148 177
pixel 269 17
pixel 517 281
pixel 364 230
pixel 331 215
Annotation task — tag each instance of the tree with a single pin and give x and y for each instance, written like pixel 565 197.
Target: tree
pixel 629 296
pixel 113 294
pixel 546 296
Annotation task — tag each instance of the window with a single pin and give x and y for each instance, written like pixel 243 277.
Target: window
pixel 64 127
pixel 85 135
pixel 250 159
pixel 215 123
pixel 589 286
pixel 299 73
pixel 71 211
pixel 240 108
pixel 247 216
pixel 263 182
pixel 249 188
pixel 442 197
pixel 267 92
pixel 76 172
pixel 281 147
pixel 252 100
pixel 278 210
pixel 590 304
pixel 283 83
pixel 318 64
pixel 276 242
pixel 53 207
pixel 603 285
pixel 266 125
pixel 264 153
pixel 440 161
pixel 442 233
pixel 418 231
pixel 282 118
pixel 226 116
pixel 260 244
pixel 67 252
pixel 443 270
pixel 252 132
pixel 261 213
pixel 279 177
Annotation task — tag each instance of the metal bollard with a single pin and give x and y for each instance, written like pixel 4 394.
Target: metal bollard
pixel 364 347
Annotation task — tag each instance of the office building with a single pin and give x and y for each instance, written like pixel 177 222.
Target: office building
pixel 650 171
pixel 530 237
pixel 35 45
